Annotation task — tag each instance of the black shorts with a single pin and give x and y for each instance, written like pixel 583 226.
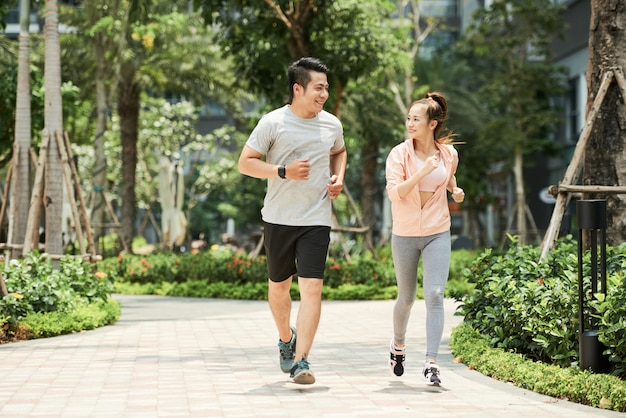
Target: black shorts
pixel 293 250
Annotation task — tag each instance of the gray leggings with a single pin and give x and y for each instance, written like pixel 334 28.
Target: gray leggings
pixel 406 253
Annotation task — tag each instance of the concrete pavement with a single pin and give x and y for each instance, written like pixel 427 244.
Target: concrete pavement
pixel 184 357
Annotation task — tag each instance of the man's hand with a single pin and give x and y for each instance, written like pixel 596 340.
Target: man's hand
pixel 334 187
pixel 298 169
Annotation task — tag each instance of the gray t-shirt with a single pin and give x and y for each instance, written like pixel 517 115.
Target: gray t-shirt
pixel 283 137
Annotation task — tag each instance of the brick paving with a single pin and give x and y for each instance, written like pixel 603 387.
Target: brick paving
pixel 185 357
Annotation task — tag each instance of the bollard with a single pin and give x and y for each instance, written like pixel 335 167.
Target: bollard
pixel 592 217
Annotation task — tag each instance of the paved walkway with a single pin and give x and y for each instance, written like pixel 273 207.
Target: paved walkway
pixel 179 357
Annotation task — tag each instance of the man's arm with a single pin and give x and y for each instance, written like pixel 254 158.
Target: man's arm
pixel 251 164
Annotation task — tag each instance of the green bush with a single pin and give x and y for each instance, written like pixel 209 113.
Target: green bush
pixel 34 285
pixel 80 318
pixel 214 265
pixel 202 274
pixel 610 310
pixel 531 308
pixel 597 390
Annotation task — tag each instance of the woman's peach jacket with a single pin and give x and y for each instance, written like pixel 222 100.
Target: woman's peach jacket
pixel 408 216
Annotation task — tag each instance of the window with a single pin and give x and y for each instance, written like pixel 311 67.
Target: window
pixel 439 8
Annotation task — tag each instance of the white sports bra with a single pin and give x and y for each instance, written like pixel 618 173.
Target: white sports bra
pixel 430 182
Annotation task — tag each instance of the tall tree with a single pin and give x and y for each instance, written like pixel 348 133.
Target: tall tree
pixel 21 180
pixel 101 29
pixel 153 47
pixel 513 36
pixel 373 125
pixel 605 160
pixel 265 36
pixel 164 51
pixel 53 114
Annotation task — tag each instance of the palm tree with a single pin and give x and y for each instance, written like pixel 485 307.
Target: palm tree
pixel 20 181
pixel 53 114
pixel 163 52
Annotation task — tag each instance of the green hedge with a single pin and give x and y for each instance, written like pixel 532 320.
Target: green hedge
pixel 597 390
pixel 213 273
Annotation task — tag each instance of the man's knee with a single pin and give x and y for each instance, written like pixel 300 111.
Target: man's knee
pixel 279 287
pixel 310 288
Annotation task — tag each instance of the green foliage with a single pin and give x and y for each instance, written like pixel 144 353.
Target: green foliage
pixel 349 291
pixel 348 35
pixel 610 310
pixel 531 308
pixel 5 6
pixel 599 390
pixel 8 92
pixel 219 264
pixel 80 318
pixel 35 286
pixel 509 44
pixel 222 273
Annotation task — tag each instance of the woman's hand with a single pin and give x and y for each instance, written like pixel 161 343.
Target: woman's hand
pixel 430 164
pixel 458 195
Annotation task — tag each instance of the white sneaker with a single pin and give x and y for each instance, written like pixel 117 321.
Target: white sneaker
pixel 432 374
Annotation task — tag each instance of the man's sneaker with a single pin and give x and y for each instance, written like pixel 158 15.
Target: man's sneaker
pixel 301 374
pixel 432 374
pixel 396 359
pixel 287 352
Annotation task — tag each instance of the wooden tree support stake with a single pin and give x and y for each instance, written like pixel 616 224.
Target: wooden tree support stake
pixel 3 287
pixel 81 199
pixel 70 193
pixel 34 209
pixel 567 185
pixel 5 194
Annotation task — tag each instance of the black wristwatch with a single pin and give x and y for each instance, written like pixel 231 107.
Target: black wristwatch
pixel 282 172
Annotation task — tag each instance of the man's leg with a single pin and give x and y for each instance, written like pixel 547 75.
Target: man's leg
pixel 311 252
pixel 308 315
pixel 279 300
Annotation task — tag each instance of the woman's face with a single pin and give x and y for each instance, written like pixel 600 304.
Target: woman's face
pixel 417 123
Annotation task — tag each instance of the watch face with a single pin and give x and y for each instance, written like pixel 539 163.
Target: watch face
pixel 281 171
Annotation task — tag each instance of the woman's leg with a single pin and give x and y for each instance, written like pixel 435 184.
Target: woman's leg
pixel 436 263
pixel 405 259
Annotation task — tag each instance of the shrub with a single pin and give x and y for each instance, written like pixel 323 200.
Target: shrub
pixel 148 274
pixel 80 318
pixel 598 390
pixel 35 286
pixel 531 308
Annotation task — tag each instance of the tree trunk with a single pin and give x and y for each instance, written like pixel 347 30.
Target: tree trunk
pixel 20 181
pixel 520 198
pixel 100 163
pixel 605 160
pixel 53 115
pixel 369 168
pixel 128 110
pixel 103 75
